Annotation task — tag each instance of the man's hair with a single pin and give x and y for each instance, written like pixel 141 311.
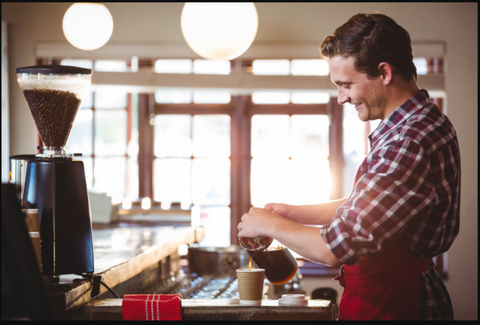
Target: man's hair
pixel 371 39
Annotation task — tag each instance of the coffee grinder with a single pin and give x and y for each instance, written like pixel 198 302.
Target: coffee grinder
pixel 53 181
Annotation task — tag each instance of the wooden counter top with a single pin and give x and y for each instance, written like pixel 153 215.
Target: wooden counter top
pixel 121 251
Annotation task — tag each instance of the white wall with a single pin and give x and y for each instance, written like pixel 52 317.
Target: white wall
pixel 454 23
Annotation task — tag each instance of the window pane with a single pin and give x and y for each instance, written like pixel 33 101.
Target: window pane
pixel 310 67
pixel 109 176
pixel 110 98
pixel 111 65
pixel 211 136
pixel 87 102
pixel 301 173
pixel 173 96
pixel 211 96
pixel 271 97
pixel 87 64
pixel 221 67
pixel 132 179
pixel 80 140
pixel 172 180
pixel 211 181
pixel 173 136
pixel 270 135
pixel 421 65
pixel 173 66
pixel 295 181
pixel 110 133
pixel 310 97
pixel 309 180
pixel 216 222
pixel 310 135
pixel 268 181
pixel 271 67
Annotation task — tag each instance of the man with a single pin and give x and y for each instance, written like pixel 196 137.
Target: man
pixel 404 207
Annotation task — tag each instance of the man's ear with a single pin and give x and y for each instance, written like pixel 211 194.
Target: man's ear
pixel 386 71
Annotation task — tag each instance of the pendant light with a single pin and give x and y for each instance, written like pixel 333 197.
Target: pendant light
pixel 87 26
pixel 219 30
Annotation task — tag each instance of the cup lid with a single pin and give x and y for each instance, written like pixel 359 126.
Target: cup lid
pixel 293 300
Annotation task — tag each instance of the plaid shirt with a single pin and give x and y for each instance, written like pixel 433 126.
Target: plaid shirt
pixel 409 184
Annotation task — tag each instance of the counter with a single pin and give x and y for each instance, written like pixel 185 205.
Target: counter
pixel 128 252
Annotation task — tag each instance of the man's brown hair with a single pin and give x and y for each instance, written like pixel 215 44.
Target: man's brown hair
pixel 372 38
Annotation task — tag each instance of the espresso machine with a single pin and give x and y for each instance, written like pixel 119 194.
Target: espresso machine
pixel 52 181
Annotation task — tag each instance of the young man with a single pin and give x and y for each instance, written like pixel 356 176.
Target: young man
pixel 404 207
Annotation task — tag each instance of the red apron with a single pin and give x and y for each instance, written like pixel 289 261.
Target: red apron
pixel 384 286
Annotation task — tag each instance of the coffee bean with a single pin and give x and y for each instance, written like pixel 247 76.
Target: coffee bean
pixel 53 112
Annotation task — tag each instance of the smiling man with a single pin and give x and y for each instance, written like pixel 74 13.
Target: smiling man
pixel 404 206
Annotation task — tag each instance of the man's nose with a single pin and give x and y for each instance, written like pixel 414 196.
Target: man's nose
pixel 342 97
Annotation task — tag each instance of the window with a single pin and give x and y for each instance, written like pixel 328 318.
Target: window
pixel 422 66
pixel 290 159
pixel 271 97
pixel 218 67
pixel 192 166
pixel 313 67
pixel 173 66
pixel 101 134
pixel 271 67
pixel 200 152
pixel 111 65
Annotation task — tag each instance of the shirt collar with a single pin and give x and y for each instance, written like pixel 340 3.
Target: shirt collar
pixel 399 115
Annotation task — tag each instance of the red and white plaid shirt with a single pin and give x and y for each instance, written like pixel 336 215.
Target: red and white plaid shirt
pixel 409 184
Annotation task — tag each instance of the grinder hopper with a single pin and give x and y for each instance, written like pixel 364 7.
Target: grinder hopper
pixel 54 94
pixel 55 183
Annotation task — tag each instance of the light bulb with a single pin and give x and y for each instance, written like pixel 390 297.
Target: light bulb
pixel 87 26
pixel 218 30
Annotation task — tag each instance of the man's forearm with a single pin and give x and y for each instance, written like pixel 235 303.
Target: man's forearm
pixel 304 240
pixel 314 214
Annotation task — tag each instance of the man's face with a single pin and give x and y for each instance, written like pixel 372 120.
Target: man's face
pixel 367 94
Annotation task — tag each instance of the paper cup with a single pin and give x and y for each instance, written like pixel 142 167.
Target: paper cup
pixel 250 286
